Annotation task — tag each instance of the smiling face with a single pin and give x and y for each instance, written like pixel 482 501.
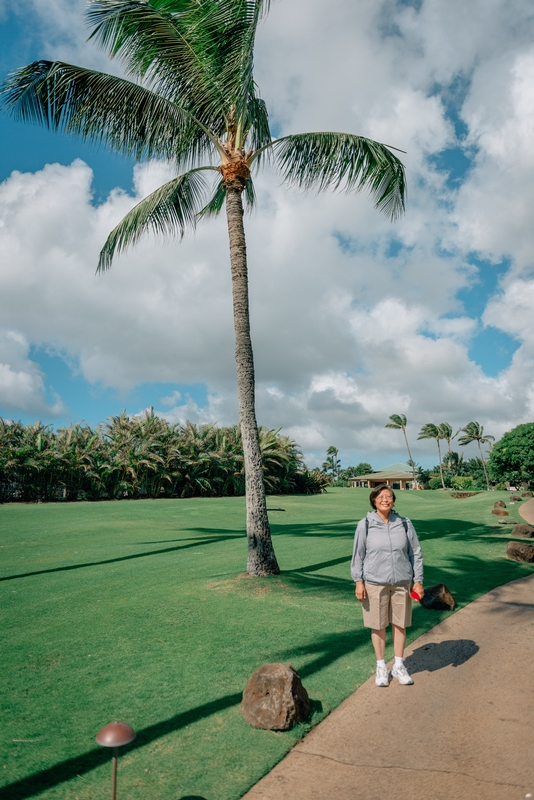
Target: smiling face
pixel 384 502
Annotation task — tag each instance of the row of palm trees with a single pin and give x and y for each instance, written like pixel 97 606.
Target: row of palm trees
pixel 132 457
pixel 472 432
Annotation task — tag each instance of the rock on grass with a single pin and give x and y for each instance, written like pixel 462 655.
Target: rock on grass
pixel 520 551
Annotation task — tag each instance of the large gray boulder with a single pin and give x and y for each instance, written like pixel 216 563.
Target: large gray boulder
pixel 499 504
pixel 523 530
pixel 438 598
pixel 274 698
pixel 520 551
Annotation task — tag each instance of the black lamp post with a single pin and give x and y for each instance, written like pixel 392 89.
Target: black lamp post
pixel 115 735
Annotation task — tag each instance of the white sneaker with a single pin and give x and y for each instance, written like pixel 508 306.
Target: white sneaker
pixel 382 676
pixel 402 675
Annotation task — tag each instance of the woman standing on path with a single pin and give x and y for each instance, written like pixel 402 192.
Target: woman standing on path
pixel 385 560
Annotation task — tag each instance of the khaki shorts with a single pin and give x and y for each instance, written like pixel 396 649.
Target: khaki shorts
pixel 387 604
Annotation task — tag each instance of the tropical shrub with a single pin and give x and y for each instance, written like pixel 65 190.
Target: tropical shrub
pixel 462 482
pixel 512 457
pixel 145 456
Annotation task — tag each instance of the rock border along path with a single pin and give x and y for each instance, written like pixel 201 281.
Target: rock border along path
pixel 463 731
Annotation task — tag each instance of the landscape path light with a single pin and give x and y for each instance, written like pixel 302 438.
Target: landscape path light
pixel 115 735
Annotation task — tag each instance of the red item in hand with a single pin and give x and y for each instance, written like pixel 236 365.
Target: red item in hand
pixel 414 595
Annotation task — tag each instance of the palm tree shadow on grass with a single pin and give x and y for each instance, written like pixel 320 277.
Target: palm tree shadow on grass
pixel 195 543
pixel 345 528
pixel 326 650
pixel 329 648
pixel 438 528
pixel 335 530
pixel 469 577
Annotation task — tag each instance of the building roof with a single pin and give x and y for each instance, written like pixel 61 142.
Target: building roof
pixel 397 475
pixel 396 467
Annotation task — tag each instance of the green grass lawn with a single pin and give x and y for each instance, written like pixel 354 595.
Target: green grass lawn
pixel 141 611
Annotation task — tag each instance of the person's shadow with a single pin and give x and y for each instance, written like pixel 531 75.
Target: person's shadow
pixel 436 655
pixel 192 797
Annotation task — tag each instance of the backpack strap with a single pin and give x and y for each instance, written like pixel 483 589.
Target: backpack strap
pixel 404 525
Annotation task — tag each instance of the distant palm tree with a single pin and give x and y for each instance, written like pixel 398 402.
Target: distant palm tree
pixel 475 433
pixel 193 102
pixel 399 422
pixel 431 431
pixel 332 463
pixel 453 462
pixel 446 433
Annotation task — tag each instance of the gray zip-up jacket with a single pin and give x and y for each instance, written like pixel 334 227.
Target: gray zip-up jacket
pixel 387 553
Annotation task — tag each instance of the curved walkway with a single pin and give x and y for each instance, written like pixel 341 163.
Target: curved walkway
pixel 463 731
pixel 526 510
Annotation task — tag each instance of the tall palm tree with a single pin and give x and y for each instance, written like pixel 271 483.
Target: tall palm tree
pixel 332 462
pixel 473 432
pixel 192 100
pixel 431 431
pixel 447 434
pixel 399 422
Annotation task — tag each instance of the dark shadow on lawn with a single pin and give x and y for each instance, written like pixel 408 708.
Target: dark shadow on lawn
pixel 220 532
pixel 468 577
pixel 196 543
pixel 79 765
pixel 338 528
pixel 345 528
pixel 323 565
pixel 437 528
pixel 436 655
pixel 323 586
pixel 329 649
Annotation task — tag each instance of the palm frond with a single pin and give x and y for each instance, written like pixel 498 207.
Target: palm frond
pixel 171 209
pixel 250 195
pixel 215 205
pixel 398 421
pixel 243 65
pixel 257 130
pixel 129 118
pixel 342 161
pixel 189 51
pixel 429 431
pixel 213 208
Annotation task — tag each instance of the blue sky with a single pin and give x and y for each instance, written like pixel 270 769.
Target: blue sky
pixel 352 319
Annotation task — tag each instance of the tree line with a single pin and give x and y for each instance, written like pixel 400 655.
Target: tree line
pixel 145 456
pixel 510 460
pixel 472 432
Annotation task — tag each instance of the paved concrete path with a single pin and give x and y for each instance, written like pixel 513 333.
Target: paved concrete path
pixel 463 731
pixel 527 511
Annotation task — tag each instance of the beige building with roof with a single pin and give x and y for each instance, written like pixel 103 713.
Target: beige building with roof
pixel 398 476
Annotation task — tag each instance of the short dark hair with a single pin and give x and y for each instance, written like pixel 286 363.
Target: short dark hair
pixel 376 491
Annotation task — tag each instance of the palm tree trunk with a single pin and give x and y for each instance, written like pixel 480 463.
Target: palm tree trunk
pixel 411 459
pixel 484 465
pixel 440 467
pixel 261 559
